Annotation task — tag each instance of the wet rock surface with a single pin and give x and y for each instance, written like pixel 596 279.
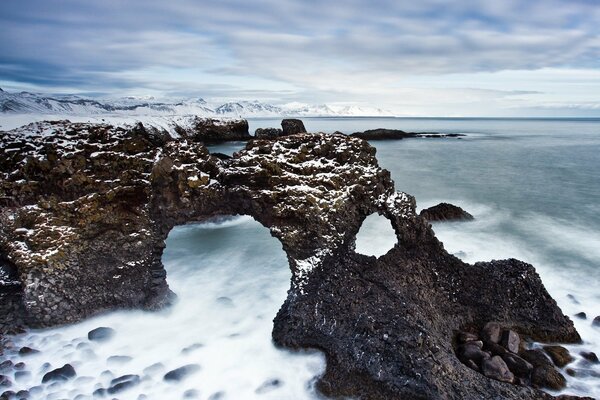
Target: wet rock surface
pixel 292 126
pixel 87 207
pixel 445 212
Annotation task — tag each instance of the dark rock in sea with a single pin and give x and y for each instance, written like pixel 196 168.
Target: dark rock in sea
pixel 181 373
pixel 217 396
pixel 22 394
pixel 63 373
pixel 559 355
pixel 26 351
pixel 45 367
pixel 118 360
pixel 122 383
pixel 511 341
pixel 101 334
pixel 496 368
pixel 548 377
pixel 36 390
pixel 8 395
pixel 20 376
pixel 596 321
pixel 397 134
pixel 191 394
pixel 537 358
pixel 94 203
pixel 269 133
pixel 6 365
pixel 445 212
pixel 590 356
pixel 154 369
pixel 5 381
pixel 269 386
pixel 573 298
pixel 581 315
pixel 292 126
pixel 20 365
pixel 191 348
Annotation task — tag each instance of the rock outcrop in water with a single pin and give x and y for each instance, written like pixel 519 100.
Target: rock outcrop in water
pixel 397 134
pixel 445 212
pixel 86 209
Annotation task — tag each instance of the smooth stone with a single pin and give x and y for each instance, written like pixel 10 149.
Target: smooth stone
pixel 217 395
pixel 581 315
pixel 596 321
pixel 5 381
pixel 124 385
pixel 495 349
pixel 268 386
pixel 559 355
pixel 496 368
pixel 20 366
pixel 9 394
pixel 548 377
pixel 511 341
pixel 153 369
pixel 22 375
pixel 181 373
pixel 22 394
pixel 26 351
pixel 45 367
pixel 6 366
pixel 537 358
pixel 36 390
pixel 191 394
pixel 189 349
pixel 517 365
pixel 118 360
pixel 590 356
pixel 63 373
pixel 491 332
pixel 101 334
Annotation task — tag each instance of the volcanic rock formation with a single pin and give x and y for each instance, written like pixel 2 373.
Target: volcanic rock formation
pixel 86 209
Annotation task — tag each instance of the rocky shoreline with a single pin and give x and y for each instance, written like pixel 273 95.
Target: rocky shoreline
pixel 86 209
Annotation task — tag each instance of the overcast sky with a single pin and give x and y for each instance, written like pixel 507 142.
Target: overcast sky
pixel 418 57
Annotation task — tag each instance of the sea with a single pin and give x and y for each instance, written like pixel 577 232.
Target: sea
pixel 533 186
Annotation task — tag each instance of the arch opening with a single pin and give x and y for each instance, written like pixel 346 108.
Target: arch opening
pixel 376 236
pixel 230 277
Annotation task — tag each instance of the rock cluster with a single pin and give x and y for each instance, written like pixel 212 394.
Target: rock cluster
pixel 445 212
pixel 87 207
pixel 397 134
pixel 500 354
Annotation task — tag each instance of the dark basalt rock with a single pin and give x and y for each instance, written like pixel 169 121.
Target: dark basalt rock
pixel 63 373
pixel 590 356
pixel 397 134
pixel 548 377
pixel 596 321
pixel 581 315
pixel 269 133
pixel 92 204
pixel 26 351
pixel 211 130
pixel 292 127
pixel 181 373
pixel 101 334
pixel 445 212
pixel 559 355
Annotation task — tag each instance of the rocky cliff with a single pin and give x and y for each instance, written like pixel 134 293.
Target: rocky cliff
pixel 85 210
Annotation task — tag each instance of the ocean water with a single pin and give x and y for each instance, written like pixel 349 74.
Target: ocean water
pixel 532 185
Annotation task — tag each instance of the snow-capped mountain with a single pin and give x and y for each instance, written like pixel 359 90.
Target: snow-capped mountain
pixel 34 103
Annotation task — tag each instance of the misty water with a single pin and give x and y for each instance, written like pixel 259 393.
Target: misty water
pixel 532 185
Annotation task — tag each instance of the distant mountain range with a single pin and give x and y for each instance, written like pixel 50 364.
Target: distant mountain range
pixel 34 103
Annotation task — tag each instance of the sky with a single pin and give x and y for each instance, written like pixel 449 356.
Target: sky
pixel 414 58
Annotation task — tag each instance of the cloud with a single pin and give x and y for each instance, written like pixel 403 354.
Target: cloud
pixel 345 50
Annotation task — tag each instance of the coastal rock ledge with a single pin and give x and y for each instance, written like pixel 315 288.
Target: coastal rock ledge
pixel 86 208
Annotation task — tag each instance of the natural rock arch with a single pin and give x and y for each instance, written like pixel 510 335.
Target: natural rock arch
pixel 98 201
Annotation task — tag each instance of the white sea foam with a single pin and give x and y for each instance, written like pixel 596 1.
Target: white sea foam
pixel 230 277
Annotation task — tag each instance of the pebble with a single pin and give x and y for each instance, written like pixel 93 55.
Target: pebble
pixel 181 373
pixel 101 334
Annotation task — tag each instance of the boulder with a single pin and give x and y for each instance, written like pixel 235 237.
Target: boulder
pixel 268 133
pixel 101 334
pixel 445 212
pixel 292 127
pixel 596 321
pixel 590 356
pixel 511 341
pixel 496 368
pixel 63 373
pixel 213 130
pixel 491 332
pixel 517 365
pixel 559 355
pixel 548 377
